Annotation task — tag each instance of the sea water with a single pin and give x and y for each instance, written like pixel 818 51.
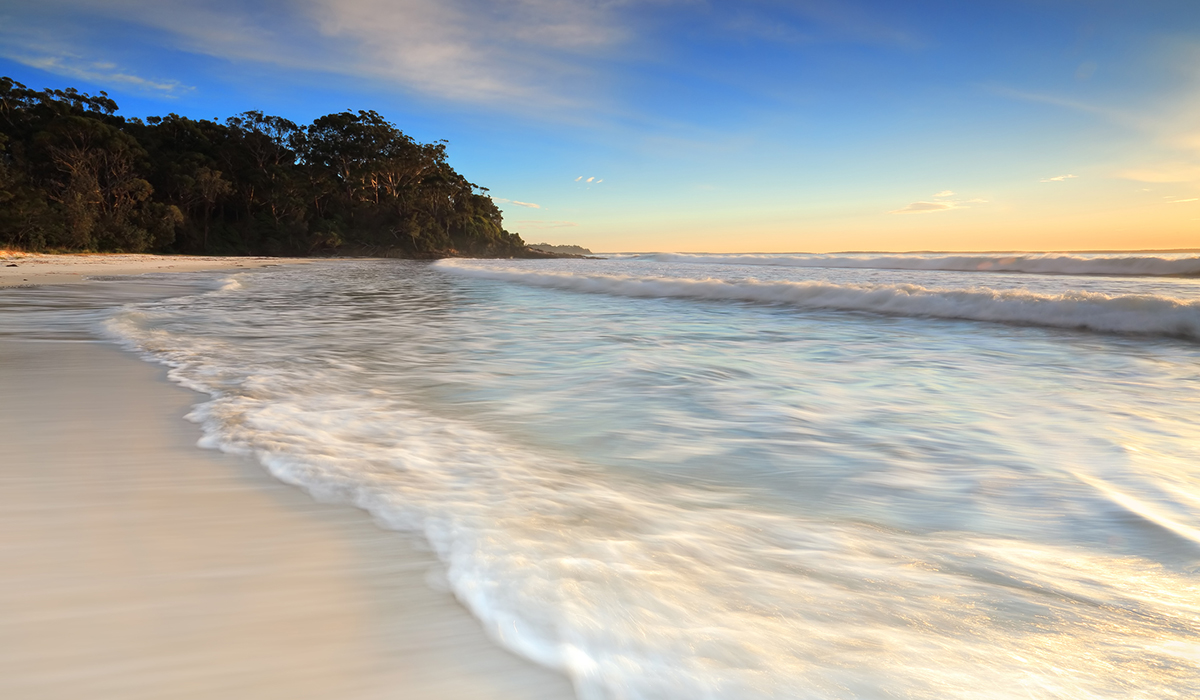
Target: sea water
pixel 681 477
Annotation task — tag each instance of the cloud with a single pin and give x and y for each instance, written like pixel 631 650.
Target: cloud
pixel 219 28
pixel 515 53
pixel 1181 201
pixel 549 57
pixel 924 208
pixel 942 204
pixel 100 72
pixel 1166 121
pixel 578 178
pixel 1059 178
pixel 530 205
pixel 478 50
pixel 813 21
pixel 497 52
pixel 546 224
pixel 1117 116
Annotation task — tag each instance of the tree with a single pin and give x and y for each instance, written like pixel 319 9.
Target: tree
pixel 98 183
pixel 76 175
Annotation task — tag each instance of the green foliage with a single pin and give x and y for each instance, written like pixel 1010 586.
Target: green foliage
pixel 76 176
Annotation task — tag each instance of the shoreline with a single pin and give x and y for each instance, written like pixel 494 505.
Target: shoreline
pixel 19 269
pixel 37 269
pixel 134 564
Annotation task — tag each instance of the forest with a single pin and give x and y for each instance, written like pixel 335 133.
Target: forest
pixel 75 176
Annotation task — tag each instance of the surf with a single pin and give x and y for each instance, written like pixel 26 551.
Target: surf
pixel 1140 314
pixel 1046 264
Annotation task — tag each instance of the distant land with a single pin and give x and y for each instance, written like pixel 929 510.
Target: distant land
pixel 562 249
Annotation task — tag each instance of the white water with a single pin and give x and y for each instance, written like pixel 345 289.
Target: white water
pixel 688 481
pixel 1181 264
pixel 1121 313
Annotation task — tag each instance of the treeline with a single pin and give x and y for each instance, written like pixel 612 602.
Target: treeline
pixel 75 176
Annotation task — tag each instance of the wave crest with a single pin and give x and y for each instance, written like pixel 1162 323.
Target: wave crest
pixel 1144 314
pixel 1048 264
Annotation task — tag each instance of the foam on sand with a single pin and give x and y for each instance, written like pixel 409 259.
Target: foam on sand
pixel 661 587
pixel 134 566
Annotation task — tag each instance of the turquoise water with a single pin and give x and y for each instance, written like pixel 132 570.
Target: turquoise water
pixel 721 478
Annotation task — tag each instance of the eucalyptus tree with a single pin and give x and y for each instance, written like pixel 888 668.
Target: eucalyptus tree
pixel 74 175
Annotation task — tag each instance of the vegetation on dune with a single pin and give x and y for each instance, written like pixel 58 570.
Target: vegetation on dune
pixel 75 176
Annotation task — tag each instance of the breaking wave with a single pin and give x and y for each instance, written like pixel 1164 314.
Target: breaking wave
pixel 651 585
pixel 1048 264
pixel 1144 314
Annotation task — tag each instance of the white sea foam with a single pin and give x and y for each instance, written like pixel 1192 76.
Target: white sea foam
pixel 231 284
pixel 1134 313
pixel 659 589
pixel 665 593
pixel 1048 263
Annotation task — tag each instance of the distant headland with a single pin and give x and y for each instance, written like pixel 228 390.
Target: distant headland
pixel 562 249
pixel 75 176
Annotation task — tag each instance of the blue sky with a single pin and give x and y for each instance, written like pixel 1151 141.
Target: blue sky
pixel 765 125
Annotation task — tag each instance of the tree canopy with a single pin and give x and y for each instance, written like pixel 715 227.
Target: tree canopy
pixel 76 176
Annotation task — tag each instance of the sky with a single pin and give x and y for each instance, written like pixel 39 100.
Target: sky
pixel 690 125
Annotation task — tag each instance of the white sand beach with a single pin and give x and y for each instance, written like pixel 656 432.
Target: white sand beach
pixel 134 564
pixel 20 269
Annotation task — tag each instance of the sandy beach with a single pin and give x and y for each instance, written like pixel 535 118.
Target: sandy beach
pixel 134 564
pixel 20 269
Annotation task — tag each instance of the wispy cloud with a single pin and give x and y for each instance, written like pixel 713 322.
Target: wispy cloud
pixel 812 21
pixel 479 50
pixel 499 52
pixel 1167 121
pixel 924 208
pixel 530 205
pixel 552 57
pixel 942 204
pixel 101 72
pixel 593 180
pixel 1181 201
pixel 1059 178
pixel 1117 116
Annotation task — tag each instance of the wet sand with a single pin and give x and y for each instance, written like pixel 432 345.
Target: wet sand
pixel 135 565
pixel 22 269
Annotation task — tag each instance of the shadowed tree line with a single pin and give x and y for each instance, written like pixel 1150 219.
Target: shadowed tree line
pixel 75 176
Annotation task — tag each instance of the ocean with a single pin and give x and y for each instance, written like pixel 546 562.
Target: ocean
pixel 757 476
